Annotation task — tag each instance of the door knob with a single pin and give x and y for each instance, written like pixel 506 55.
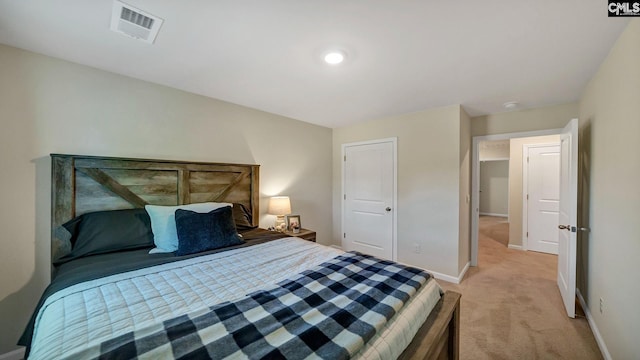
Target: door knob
pixel 387 209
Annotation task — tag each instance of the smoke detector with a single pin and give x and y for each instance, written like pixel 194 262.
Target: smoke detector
pixel 135 23
pixel 511 105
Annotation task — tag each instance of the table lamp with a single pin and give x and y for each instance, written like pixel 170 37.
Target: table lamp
pixel 279 206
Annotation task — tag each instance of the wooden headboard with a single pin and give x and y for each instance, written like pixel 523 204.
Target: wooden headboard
pixel 82 184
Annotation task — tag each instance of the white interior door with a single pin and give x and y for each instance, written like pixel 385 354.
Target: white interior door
pixel 368 198
pixel 568 215
pixel 543 198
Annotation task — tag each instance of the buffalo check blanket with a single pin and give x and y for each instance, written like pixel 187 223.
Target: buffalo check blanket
pixel 328 312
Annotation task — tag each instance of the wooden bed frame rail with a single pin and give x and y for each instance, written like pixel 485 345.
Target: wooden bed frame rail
pixel 439 336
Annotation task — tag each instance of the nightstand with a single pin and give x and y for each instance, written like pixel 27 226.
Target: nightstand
pixel 304 234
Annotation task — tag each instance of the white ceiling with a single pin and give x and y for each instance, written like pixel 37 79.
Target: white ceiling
pixel 403 56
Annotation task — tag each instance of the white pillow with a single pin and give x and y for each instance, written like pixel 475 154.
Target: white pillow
pixel 163 223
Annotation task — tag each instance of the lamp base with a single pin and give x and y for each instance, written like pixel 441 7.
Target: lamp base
pixel 280 224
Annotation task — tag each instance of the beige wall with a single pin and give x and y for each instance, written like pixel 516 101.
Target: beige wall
pixel 516 183
pixel 429 164
pixel 53 106
pixel 545 118
pixel 464 194
pixel 610 168
pixel 494 150
pixel 494 187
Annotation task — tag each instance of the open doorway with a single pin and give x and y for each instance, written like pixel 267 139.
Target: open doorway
pixel 492 156
pixel 567 206
pixel 494 191
pixel 494 188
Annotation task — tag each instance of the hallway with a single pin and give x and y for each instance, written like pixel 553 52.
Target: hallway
pixel 511 306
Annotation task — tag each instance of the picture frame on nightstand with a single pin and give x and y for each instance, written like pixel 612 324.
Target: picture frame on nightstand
pixel 293 222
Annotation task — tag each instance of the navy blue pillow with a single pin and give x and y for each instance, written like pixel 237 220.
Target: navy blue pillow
pixel 199 232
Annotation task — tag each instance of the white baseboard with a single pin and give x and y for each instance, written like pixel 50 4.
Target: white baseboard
pixel 336 247
pixel 494 214
pixel 516 247
pixel 449 278
pixel 594 327
pixel 464 271
pixel 17 354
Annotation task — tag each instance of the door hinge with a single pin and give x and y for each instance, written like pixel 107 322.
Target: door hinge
pixel 344 235
pixel 527 234
pixel 345 196
pixel 345 158
pixel 527 196
pixel 527 159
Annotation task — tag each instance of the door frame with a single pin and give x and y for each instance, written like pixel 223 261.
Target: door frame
pixel 475 179
pixel 394 223
pixel 525 185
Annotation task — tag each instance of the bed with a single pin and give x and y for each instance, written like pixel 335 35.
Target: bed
pixel 125 302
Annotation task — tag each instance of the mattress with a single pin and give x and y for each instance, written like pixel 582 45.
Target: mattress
pixel 94 311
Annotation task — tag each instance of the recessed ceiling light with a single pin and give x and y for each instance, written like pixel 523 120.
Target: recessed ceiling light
pixel 334 57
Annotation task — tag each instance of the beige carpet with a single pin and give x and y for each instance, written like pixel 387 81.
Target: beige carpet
pixel 511 307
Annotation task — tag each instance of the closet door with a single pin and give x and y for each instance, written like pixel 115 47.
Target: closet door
pixel 368 198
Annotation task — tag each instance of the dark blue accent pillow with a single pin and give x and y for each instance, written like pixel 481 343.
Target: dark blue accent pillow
pixel 199 232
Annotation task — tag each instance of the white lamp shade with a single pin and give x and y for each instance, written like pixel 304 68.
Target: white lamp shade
pixel 279 205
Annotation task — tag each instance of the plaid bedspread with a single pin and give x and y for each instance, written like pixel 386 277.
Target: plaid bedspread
pixel 327 312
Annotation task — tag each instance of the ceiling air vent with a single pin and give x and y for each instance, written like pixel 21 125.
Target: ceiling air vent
pixel 127 20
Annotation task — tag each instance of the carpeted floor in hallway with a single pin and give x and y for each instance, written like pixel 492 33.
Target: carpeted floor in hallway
pixel 511 306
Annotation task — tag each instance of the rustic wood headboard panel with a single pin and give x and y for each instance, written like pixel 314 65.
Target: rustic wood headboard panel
pixel 82 184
